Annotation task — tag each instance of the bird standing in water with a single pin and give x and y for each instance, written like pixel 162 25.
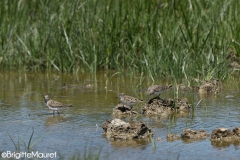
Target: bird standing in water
pixel 54 105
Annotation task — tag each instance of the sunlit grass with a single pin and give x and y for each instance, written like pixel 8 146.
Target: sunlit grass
pixel 178 39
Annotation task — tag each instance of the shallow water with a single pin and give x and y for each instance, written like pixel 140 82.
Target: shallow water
pixel 77 131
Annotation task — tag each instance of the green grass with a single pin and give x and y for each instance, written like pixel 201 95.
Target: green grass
pixel 20 142
pixel 178 39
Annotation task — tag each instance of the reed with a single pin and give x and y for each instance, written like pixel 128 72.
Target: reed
pixel 30 143
pixel 179 39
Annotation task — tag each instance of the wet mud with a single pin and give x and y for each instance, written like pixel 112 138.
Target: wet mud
pixel 188 134
pixel 158 106
pixel 119 130
pixel 210 86
pixel 233 59
pixel 172 137
pixel 194 134
pixel 123 110
pixel 224 134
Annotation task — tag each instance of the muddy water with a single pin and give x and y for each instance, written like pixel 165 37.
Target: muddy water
pixel 77 131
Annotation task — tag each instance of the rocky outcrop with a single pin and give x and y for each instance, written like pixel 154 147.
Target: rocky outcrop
pixel 158 106
pixel 118 129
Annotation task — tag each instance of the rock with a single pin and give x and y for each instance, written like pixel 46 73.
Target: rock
pixel 233 59
pixel 188 134
pixel 123 110
pixel 165 106
pixel 172 137
pixel 118 129
pixel 236 131
pixel 182 104
pixel 224 134
pixel 210 86
pixel 119 122
pixel 194 134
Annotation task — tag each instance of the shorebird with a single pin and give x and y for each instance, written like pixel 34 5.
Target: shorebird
pixel 128 100
pixel 54 105
pixel 157 89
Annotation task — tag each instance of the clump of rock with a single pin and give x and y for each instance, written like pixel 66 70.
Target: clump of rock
pixel 233 59
pixel 158 106
pixel 194 134
pixel 188 134
pixel 122 110
pixel 210 86
pixel 118 129
pixel 173 137
pixel 224 134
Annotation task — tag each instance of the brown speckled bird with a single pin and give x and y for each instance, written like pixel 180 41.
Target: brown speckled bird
pixel 128 100
pixel 157 89
pixel 54 105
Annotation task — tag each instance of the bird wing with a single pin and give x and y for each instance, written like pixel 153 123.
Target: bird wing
pixel 55 104
pixel 133 99
pixel 152 89
pixel 159 88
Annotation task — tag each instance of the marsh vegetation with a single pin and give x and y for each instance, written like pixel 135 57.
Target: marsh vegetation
pixel 179 39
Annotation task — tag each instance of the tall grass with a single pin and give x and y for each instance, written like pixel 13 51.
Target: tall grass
pixel 160 38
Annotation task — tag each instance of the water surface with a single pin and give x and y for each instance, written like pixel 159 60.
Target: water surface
pixel 77 131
